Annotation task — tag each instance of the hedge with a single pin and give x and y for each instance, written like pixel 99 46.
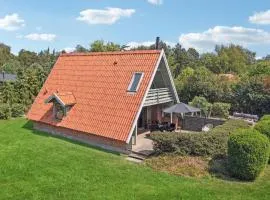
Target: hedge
pixel 221 109
pixel 5 111
pixel 230 126
pixel 263 127
pixel 212 143
pixel 265 117
pixel 203 144
pixel 17 110
pixel 248 153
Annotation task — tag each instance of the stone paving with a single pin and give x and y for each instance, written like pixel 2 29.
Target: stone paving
pixel 143 145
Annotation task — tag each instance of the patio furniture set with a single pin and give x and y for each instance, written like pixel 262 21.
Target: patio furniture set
pixel 163 126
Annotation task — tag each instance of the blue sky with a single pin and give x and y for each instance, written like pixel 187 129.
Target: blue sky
pixel 36 25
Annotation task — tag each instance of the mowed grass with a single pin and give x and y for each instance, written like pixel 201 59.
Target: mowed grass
pixel 34 165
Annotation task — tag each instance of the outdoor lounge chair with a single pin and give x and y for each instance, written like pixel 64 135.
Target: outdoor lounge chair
pixel 156 127
pixel 171 127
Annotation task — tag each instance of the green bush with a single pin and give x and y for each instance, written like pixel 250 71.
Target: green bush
pixel 17 110
pixel 201 144
pixel 230 126
pixel 164 142
pixel 5 112
pixel 263 127
pixel 265 117
pixel 221 109
pixel 203 104
pixel 248 153
pixel 212 143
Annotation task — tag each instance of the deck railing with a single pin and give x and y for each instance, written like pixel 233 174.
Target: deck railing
pixel 158 96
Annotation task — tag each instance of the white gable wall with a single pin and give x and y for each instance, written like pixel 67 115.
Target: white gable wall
pixel 162 88
pixel 162 62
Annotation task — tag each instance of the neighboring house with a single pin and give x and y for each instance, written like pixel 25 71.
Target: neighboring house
pixel 4 77
pixel 104 98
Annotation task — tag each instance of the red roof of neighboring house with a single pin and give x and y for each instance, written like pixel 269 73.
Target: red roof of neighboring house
pixel 99 82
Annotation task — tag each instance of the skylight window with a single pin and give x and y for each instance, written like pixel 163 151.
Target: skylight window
pixel 135 82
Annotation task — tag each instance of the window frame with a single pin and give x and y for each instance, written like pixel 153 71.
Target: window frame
pixel 132 81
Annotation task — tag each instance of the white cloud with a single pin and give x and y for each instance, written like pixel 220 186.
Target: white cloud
pixel 207 40
pixel 106 16
pixel 260 17
pixel 170 43
pixel 145 43
pixel 11 22
pixel 40 37
pixel 69 49
pixel 155 2
pixel 137 44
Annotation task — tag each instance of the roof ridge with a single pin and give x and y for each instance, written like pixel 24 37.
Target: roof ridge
pixel 154 51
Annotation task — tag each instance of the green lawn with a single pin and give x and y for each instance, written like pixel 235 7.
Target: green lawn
pixel 36 166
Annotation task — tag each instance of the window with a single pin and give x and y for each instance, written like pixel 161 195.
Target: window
pixel 135 82
pixel 59 111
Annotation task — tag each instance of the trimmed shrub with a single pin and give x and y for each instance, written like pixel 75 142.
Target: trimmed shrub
pixel 164 142
pixel 221 109
pixel 17 110
pixel 230 126
pixel 265 117
pixel 263 127
pixel 201 144
pixel 212 143
pixel 248 153
pixel 5 112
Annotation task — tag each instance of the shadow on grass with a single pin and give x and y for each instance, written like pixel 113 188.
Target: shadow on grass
pixel 29 126
pixel 218 167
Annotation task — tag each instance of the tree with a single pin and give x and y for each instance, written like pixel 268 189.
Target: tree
pixel 41 76
pixel 8 93
pixel 27 58
pixel 101 46
pixel 11 66
pixel 234 58
pixel 260 68
pixel 110 46
pixel 211 61
pixel 180 58
pixel 5 54
pixel 182 80
pixel 37 72
pixel 200 82
pixel 81 49
pixel 22 88
pixel 203 104
pixel 193 54
pixel 250 96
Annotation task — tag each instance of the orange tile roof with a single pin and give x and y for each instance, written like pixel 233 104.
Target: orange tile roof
pixel 66 97
pixel 99 82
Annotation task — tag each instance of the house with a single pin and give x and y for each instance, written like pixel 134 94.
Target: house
pixel 103 99
pixel 4 77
